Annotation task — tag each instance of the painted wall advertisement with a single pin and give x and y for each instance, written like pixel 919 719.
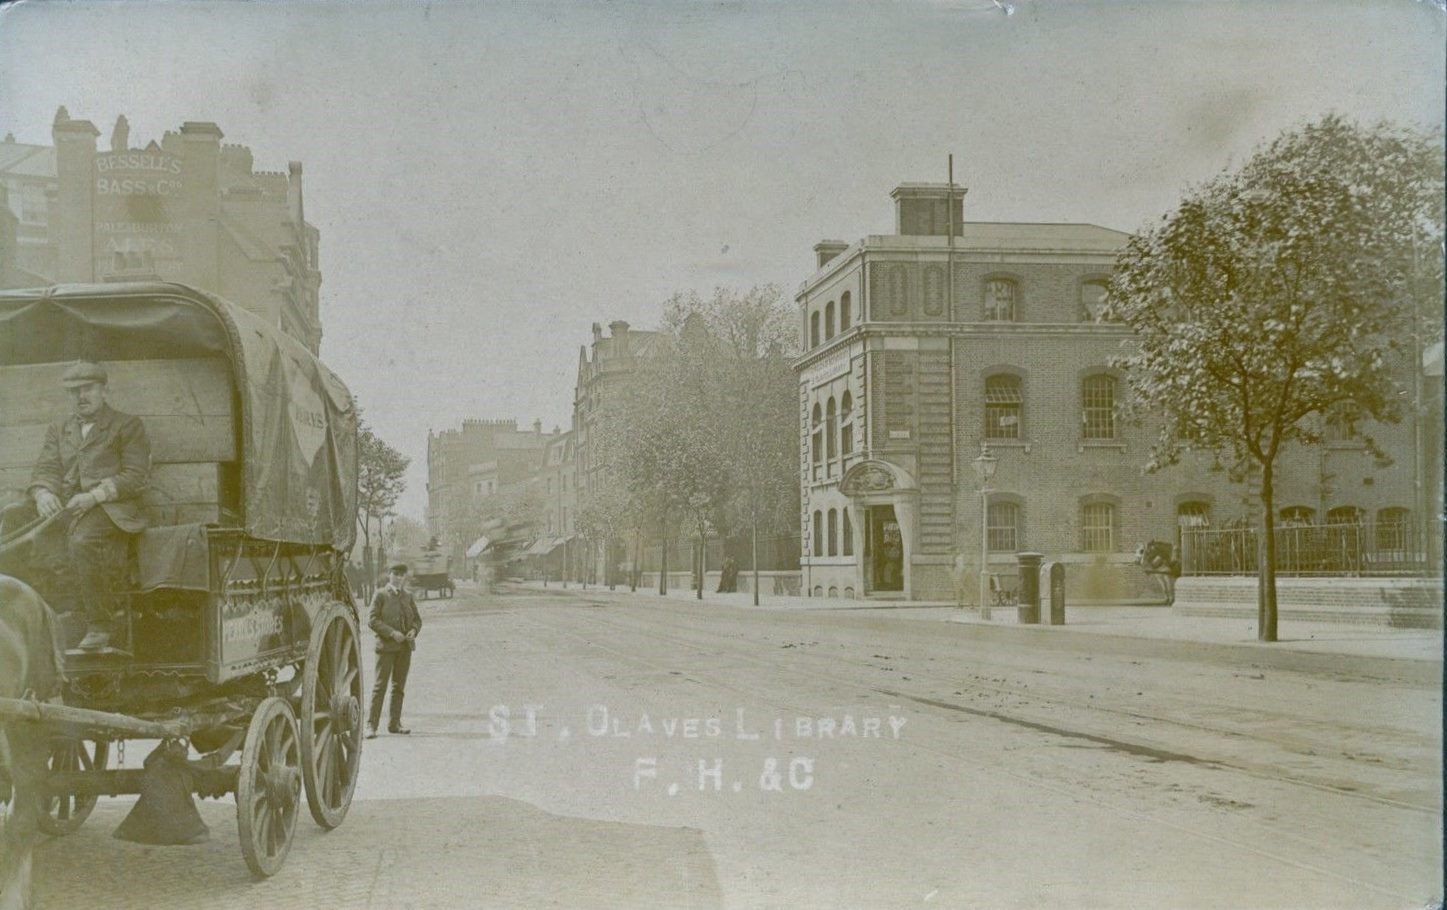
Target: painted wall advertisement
pixel 138 216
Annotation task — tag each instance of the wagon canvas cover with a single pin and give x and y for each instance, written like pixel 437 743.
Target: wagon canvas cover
pixel 297 428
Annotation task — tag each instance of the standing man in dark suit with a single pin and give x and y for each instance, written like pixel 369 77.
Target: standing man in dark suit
pixel 396 621
pixel 96 463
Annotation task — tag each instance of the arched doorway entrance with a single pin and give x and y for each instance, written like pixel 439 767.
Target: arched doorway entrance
pixel 884 498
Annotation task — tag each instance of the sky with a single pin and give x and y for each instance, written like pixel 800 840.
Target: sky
pixel 489 179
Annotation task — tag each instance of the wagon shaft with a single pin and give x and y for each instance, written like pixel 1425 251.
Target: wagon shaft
pixel 65 719
pixel 206 782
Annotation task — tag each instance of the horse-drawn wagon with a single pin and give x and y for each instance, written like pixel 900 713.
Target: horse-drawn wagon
pixel 429 573
pixel 237 643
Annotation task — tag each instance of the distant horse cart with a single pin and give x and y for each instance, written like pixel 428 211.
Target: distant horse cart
pixel 429 574
pixel 237 644
pixel 429 582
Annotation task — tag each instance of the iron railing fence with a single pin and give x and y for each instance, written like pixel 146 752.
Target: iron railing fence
pixel 1325 549
pixel 777 552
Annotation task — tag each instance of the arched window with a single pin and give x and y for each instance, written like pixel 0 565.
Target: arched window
pixel 833 532
pixel 1392 533
pixel 848 535
pixel 1298 515
pixel 814 329
pixel 1004 527
pixel 1344 515
pixel 1000 296
pixel 818 533
pixel 844 313
pixel 831 428
pixel 1097 398
pixel 846 424
pixel 1193 514
pixel 1003 404
pixel 829 320
pixel 1097 527
pixel 1092 301
pixel 817 441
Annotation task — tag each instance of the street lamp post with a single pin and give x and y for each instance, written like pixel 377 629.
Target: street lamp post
pixel 984 471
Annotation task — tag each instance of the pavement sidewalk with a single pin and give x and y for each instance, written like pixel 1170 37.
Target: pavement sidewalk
pixel 1158 622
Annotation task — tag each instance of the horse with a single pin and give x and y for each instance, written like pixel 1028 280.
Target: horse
pixel 1157 558
pixel 30 667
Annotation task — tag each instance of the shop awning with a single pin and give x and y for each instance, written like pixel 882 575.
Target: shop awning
pixel 543 546
pixel 474 551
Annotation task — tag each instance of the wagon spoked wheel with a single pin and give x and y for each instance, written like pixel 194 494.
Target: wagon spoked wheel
pixel 268 788
pixel 331 715
pixel 64 815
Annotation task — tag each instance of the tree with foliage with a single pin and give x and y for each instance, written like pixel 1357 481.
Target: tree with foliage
pixel 1277 296
pixel 406 535
pixel 380 482
pixel 706 434
pixel 610 512
pixel 750 339
pixel 665 445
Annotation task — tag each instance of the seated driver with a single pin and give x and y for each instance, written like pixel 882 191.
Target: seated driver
pixel 95 465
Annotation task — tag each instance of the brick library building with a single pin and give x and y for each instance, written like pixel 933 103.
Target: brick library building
pixel 924 347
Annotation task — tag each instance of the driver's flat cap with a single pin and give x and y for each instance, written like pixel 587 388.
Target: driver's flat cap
pixel 81 374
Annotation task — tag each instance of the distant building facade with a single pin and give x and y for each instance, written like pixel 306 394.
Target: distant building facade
pixel 922 347
pixel 466 465
pixel 187 209
pixel 603 373
pixel 559 486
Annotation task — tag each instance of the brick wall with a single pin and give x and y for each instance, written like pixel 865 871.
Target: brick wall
pixel 1396 602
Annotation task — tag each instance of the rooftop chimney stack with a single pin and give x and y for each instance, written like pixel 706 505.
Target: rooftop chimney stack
pixel 928 209
pixel 826 250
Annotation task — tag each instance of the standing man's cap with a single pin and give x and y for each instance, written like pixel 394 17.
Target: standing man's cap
pixel 81 374
pixel 399 568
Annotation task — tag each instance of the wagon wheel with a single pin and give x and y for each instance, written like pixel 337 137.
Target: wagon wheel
pixel 331 715
pixel 64 815
pixel 268 789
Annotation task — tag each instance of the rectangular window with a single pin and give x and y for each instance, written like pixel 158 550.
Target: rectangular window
pixel 1002 407
pixel 1000 300
pixel 1092 301
pixel 1097 527
pixel 1098 413
pixel 1004 527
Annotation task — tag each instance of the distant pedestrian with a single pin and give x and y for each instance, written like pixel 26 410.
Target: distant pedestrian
pixel 395 619
pixel 728 578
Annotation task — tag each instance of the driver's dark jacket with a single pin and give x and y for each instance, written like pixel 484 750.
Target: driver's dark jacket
pixel 116 449
pixel 394 611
